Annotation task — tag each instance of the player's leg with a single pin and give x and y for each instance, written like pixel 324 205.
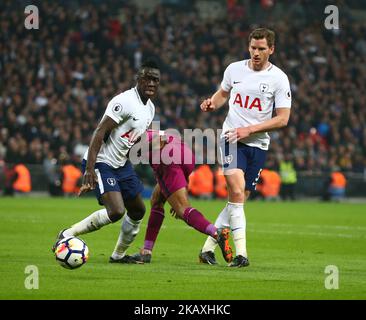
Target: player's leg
pixel 130 226
pixel 207 254
pixel 183 210
pixel 131 188
pixel 240 184
pixel 229 159
pixel 154 224
pixel 173 181
pixel 113 211
pixel 108 194
pixel 194 218
pixel 235 207
pixel 234 161
pixel 156 218
pixel 222 221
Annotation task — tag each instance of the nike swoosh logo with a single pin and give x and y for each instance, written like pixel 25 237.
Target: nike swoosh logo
pixel 235 82
pixel 134 119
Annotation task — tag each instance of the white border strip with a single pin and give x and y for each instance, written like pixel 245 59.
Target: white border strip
pixel 100 181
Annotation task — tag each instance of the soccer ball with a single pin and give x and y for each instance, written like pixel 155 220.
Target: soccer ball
pixel 71 252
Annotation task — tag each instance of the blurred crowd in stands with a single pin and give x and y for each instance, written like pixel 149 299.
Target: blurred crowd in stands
pixel 56 81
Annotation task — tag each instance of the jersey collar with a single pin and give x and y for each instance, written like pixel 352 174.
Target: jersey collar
pixel 138 97
pixel 266 69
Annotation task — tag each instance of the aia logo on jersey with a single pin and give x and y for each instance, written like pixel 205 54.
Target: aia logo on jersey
pixel 126 134
pixel 247 102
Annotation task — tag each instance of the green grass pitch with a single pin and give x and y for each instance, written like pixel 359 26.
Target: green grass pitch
pixel 289 245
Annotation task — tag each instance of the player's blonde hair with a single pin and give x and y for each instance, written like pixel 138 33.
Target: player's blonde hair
pixel 261 33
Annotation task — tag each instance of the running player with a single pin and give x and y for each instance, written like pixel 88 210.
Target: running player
pixel 255 87
pixel 107 169
pixel 171 187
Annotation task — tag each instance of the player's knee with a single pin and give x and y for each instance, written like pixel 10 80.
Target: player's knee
pixel 137 212
pixel 237 195
pixel 116 214
pixel 138 215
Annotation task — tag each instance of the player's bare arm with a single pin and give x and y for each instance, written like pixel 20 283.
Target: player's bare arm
pixel 277 122
pixel 103 129
pixel 215 102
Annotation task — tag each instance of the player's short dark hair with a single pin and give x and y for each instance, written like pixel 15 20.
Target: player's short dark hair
pixel 149 63
pixel 263 33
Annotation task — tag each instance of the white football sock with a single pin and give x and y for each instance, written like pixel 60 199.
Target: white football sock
pixel 222 221
pixel 130 228
pixel 238 227
pixel 91 223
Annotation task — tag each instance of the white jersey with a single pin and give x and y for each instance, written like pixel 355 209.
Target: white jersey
pixel 132 116
pixel 252 98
